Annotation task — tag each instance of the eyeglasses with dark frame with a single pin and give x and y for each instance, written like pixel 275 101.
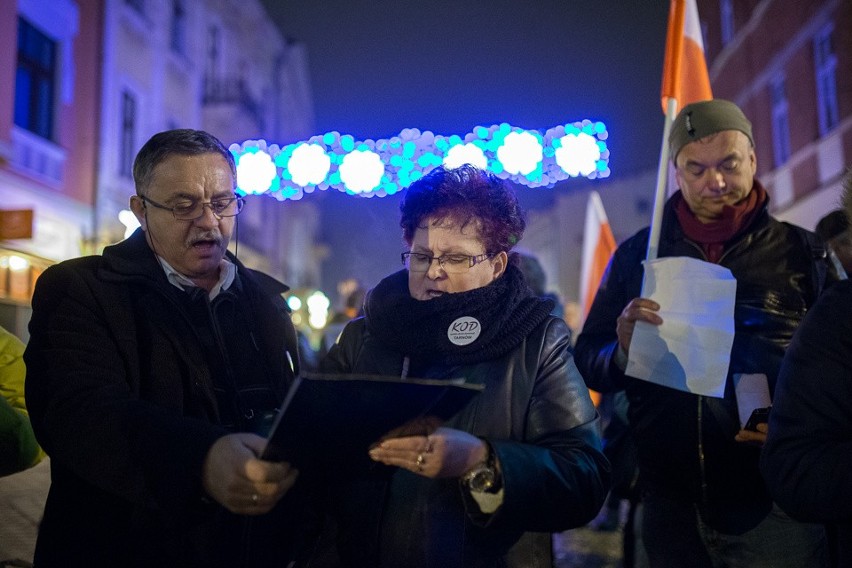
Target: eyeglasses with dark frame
pixel 450 263
pixel 190 209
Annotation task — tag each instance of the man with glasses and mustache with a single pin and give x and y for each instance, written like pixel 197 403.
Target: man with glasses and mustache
pixel 151 372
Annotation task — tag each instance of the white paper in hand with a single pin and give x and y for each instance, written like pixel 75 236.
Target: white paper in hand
pixel 752 391
pixel 691 350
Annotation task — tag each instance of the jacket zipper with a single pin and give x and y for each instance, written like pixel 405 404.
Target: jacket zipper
pixel 702 465
pixel 701 462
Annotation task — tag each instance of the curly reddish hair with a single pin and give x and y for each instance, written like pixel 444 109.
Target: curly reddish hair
pixel 464 195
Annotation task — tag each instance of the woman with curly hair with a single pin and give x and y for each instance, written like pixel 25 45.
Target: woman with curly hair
pixel 522 459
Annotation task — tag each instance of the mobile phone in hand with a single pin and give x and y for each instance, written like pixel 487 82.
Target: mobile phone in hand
pixel 758 415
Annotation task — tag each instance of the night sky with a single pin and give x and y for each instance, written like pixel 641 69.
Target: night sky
pixel 379 66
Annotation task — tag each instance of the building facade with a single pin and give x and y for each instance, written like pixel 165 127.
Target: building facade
pixel 83 84
pixel 48 133
pixel 218 65
pixel 786 63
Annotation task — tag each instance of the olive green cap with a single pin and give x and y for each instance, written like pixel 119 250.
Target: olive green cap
pixel 697 120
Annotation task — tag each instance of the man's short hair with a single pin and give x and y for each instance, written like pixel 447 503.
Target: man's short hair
pixel 698 120
pixel 182 142
pixel 846 195
pixel 831 225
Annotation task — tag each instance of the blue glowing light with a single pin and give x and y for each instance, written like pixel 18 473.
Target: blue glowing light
pixel 383 167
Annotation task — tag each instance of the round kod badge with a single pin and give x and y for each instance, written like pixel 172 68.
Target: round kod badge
pixel 464 331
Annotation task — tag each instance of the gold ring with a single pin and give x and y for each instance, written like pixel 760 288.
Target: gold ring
pixel 420 460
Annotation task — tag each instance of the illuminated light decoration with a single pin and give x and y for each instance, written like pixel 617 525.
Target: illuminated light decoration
pixel 520 153
pixel 294 303
pixel 578 154
pixel 318 304
pixel 14 263
pixel 309 164
pixel 468 153
pixel 361 171
pixel 129 220
pixel 256 170
pixel 377 168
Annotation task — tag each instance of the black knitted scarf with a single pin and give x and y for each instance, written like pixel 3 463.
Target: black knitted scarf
pixel 504 312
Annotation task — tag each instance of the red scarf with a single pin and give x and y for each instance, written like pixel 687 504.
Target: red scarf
pixel 712 236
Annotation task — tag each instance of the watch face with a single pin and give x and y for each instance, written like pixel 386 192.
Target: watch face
pixel 481 479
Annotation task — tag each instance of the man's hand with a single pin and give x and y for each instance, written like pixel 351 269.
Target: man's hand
pixel 755 438
pixel 639 309
pixel 234 476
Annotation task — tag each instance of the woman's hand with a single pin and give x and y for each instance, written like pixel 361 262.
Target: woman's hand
pixel 443 453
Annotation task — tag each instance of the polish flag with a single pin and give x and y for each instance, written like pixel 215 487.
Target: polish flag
pixel 598 246
pixel 685 76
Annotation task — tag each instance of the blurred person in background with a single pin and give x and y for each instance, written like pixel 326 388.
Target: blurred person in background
pixel 536 279
pixel 18 447
pixel 23 487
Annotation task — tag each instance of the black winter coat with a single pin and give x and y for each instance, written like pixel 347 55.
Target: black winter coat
pixel 536 414
pixel 685 442
pixel 807 459
pixel 121 370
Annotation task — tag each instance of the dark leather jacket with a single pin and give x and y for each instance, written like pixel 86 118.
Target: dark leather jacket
pixel 536 414
pixel 686 446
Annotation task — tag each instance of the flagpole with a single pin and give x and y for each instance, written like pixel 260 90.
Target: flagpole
pixel 671 80
pixel 662 182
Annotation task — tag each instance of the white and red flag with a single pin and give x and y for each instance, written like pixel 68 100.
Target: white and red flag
pixel 685 76
pixel 598 246
pixel 685 80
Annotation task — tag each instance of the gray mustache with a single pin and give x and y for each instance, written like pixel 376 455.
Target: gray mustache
pixel 209 236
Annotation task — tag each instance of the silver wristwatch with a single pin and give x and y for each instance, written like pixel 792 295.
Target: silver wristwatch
pixel 483 478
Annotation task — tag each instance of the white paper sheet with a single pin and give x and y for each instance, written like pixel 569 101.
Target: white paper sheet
pixel 752 391
pixel 691 350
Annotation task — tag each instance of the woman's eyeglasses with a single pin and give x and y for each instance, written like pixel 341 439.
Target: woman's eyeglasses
pixel 449 263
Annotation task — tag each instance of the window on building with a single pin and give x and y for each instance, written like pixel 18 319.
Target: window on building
pixel 35 80
pixel 138 5
pixel 780 119
pixel 178 27
pixel 214 39
pixel 726 9
pixel 825 67
pixel 127 146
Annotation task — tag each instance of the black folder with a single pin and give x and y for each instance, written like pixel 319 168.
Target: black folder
pixel 338 417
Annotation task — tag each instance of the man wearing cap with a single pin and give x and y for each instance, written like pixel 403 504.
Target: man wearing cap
pixel 705 503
